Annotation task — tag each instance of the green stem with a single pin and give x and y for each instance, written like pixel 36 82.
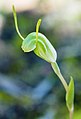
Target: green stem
pixel 71 113
pixel 57 71
pixel 16 24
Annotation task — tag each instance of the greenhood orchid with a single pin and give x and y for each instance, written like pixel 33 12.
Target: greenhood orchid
pixel 41 46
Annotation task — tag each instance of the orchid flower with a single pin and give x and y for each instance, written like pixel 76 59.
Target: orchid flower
pixel 41 46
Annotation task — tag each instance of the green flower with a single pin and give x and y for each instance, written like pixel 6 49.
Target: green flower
pixel 37 42
pixel 43 48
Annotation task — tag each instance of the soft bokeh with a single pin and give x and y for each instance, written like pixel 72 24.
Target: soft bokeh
pixel 29 89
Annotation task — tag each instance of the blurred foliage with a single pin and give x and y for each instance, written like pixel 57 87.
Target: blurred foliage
pixel 27 72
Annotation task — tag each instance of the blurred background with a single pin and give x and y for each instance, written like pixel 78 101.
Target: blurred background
pixel 29 89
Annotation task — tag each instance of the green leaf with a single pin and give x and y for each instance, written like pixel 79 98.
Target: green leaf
pixel 70 95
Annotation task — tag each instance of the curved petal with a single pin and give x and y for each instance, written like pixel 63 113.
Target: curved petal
pixel 44 49
pixel 29 43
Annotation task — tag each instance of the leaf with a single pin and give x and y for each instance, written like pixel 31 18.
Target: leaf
pixel 70 95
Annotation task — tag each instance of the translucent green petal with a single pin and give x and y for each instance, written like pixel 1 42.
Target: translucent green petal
pixel 29 43
pixel 44 49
